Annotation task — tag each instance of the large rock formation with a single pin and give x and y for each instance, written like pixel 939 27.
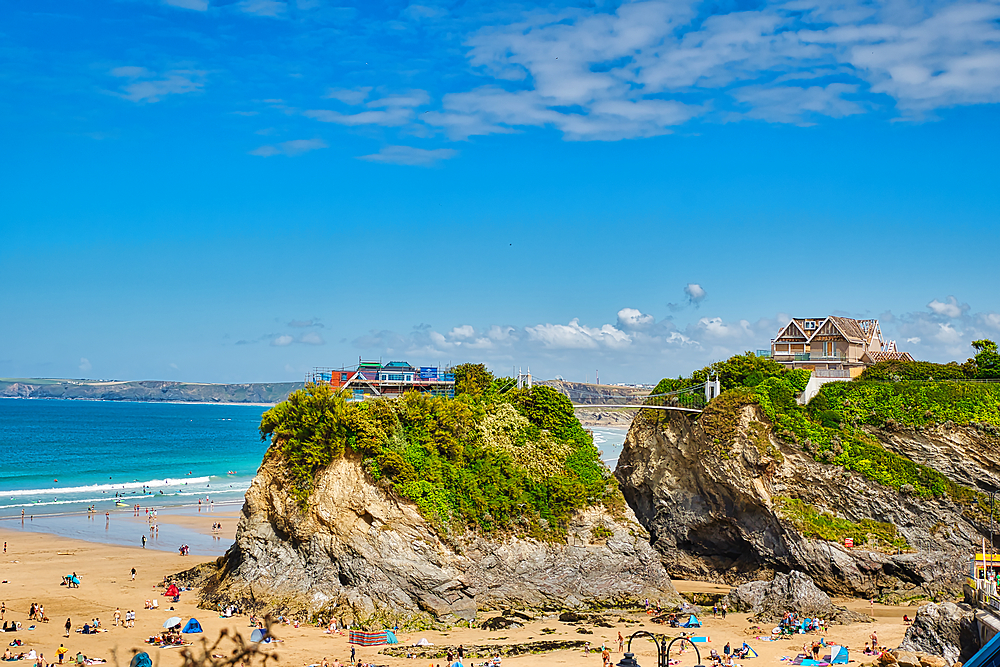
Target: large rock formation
pixel 946 629
pixel 363 552
pixel 769 601
pixel 714 511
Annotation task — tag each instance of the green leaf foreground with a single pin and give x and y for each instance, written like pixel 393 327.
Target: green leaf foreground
pixel 494 458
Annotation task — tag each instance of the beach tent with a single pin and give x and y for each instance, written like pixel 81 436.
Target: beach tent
pixel 192 626
pixel 423 642
pixel 692 622
pixel 752 653
pixel 838 655
pixel 260 635
pixel 141 660
pixel 172 621
pixel 390 637
pixel 172 591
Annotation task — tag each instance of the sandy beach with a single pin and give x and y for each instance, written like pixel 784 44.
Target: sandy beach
pixel 33 566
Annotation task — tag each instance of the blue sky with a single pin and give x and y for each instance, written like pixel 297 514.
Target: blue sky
pixel 241 190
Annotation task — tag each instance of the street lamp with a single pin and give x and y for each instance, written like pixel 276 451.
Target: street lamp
pixel 662 650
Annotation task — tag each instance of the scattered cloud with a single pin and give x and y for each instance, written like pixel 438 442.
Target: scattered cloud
pixel 950 307
pixel 197 5
pixel 311 338
pixel 943 332
pixel 85 364
pixel 632 319
pixel 351 96
pixel 271 8
pixel 289 148
pixel 147 86
pixel 410 156
pixel 282 341
pixel 695 293
pixel 304 324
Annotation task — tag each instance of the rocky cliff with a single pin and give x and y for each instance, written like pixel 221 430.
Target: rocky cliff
pixel 362 552
pixel 720 510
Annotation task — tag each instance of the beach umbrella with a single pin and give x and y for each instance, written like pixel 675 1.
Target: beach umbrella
pixel 172 621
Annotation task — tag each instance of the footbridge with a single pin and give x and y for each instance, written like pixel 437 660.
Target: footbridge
pixel 689 399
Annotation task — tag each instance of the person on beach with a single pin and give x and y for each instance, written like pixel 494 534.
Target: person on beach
pixel 69 626
pixel 117 616
pixel 3 609
pixel 61 651
pixel 621 642
pixel 143 545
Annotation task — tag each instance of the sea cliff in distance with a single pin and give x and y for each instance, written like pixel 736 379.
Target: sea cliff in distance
pixel 147 390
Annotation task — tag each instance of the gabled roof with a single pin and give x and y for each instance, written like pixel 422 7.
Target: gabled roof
pixel 799 334
pixel 849 328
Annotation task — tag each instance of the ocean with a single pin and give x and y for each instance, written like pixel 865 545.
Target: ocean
pixel 60 457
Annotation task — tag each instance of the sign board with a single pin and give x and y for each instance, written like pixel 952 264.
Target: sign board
pixel 849 542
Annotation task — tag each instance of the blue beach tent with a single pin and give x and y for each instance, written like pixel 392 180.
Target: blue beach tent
pixel 141 660
pixel 838 655
pixel 259 635
pixel 390 637
pixel 692 622
pixel 192 626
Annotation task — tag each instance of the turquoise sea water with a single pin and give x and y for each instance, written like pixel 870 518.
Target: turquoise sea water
pixel 59 457
pixel 63 456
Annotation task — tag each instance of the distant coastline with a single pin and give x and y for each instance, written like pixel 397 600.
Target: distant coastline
pixel 262 394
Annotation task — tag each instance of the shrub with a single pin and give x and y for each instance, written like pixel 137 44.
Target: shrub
pixel 519 460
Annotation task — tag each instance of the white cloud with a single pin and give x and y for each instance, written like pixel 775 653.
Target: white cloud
pixel 949 308
pixel 197 5
pixel 85 364
pixel 716 327
pixel 290 148
pixel 392 117
pixel 352 96
pixel 695 293
pixel 410 156
pixel 147 86
pixel 630 318
pixel 792 104
pixel 913 341
pixel 651 65
pixel 463 332
pixel 312 338
pixel 174 366
pixel 282 340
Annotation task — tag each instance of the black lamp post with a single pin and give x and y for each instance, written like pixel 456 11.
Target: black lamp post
pixel 662 650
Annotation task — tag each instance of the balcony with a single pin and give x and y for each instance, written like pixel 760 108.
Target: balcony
pixel 806 356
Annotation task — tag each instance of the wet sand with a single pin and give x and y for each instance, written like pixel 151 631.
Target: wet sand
pixel 35 562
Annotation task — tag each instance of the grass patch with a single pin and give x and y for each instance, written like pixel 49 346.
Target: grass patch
pixel 809 521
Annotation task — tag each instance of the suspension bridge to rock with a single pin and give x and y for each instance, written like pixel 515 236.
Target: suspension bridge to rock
pixel 689 399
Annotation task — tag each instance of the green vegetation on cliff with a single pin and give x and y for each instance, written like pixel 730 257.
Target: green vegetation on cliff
pixel 831 427
pixel 813 523
pixel 493 458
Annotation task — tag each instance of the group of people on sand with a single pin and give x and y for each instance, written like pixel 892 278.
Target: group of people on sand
pixel 37 613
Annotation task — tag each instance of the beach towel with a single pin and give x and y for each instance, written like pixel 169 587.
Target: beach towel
pixel 367 638
pixel 192 626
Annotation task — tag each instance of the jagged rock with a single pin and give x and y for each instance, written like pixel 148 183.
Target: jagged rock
pixel 499 623
pixel 906 658
pixel 712 510
pixel 947 630
pixel 361 552
pixel 571 617
pixel 768 601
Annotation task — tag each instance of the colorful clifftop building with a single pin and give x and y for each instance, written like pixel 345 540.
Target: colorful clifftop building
pixel 391 380
pixel 832 347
